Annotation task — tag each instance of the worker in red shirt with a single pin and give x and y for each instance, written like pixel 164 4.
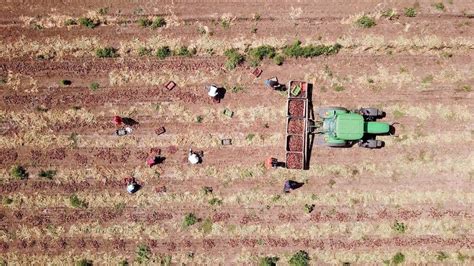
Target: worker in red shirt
pixel 117 120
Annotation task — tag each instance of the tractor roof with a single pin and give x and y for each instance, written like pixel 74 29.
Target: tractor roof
pixel 349 126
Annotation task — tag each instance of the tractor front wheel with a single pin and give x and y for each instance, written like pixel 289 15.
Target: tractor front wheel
pixel 325 111
pixel 371 113
pixel 371 144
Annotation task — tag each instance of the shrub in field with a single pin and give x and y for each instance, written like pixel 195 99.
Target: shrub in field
pixel 398 258
pixel 279 59
pixel 439 6
pixel 89 23
pixel 296 50
pixel 19 172
pixel 257 54
pixel 390 14
pixel 70 22
pixel 166 260
pixel 199 119
pixel 3 262
pixel 123 263
pixel 143 51
pixel 183 51
pixel 106 52
pixel 276 198
pixel 366 22
pixel 268 261
pixel 225 23
pixel 308 208
pixel 49 174
pixel 398 114
pixel 76 202
pixel 466 88
pixel 206 227
pixel 410 12
pixel 94 86
pixel 250 137
pixel 461 257
pixel 190 219
pixel 145 22
pixel 163 52
pixel 338 87
pixel 215 201
pixel 234 58
pixel 143 254
pixel 84 262
pixel 237 89
pixel 158 23
pixel 207 190
pixel 65 82
pixel 7 201
pixel 441 256
pixel 399 227
pixel 103 11
pixel 300 258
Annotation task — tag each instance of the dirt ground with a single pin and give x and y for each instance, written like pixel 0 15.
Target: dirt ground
pixel 413 197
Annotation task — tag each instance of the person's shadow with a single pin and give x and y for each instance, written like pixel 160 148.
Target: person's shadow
pixel 129 121
pixel 221 93
pixel 136 188
pixel 159 159
pixel 294 184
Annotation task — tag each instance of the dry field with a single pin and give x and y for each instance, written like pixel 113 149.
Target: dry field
pixel 410 202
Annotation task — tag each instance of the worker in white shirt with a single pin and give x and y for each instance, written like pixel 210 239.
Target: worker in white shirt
pixel 213 92
pixel 193 157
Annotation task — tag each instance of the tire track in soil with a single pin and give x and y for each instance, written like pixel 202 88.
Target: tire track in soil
pixel 217 245
pixel 14 219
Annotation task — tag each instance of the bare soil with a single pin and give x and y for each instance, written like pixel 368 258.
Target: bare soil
pixel 417 69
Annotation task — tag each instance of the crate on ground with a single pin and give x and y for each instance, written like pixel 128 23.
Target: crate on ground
pixel 257 72
pixel 228 113
pixel 160 131
pixel 170 85
pixel 226 142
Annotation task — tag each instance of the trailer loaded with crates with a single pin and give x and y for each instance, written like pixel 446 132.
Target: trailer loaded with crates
pixel 297 124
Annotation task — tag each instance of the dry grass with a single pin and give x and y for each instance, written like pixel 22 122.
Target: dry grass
pixel 249 199
pixel 57 47
pixel 50 47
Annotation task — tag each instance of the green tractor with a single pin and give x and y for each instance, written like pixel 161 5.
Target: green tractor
pixel 343 128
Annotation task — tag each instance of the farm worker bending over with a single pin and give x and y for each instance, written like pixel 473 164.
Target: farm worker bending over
pixel 132 185
pixel 274 84
pixel 193 158
pixel 271 163
pixel 212 91
pixel 117 120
